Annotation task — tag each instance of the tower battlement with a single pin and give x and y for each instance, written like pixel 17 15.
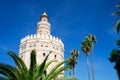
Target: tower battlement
pixel 45 37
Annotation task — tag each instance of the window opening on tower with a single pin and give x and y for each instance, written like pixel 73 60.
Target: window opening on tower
pixel 55 56
pixel 43 54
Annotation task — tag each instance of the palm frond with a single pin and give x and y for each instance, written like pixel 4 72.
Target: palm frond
pixel 20 63
pixel 3 78
pixel 118 42
pixel 32 64
pixel 91 38
pixel 57 72
pixel 50 62
pixel 10 71
pixel 117 26
pixel 41 68
pixel 56 67
pixel 75 52
pixel 117 13
pixel 86 46
pixel 115 55
pixel 118 5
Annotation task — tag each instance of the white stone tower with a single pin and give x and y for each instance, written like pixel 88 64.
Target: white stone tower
pixel 43 42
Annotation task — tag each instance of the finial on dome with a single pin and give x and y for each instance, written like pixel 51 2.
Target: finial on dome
pixel 44 15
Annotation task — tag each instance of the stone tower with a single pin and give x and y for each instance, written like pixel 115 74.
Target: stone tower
pixel 43 42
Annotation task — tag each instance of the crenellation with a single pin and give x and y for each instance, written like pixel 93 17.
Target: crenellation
pixel 57 39
pixel 45 37
pixel 53 38
pixel 50 37
pixel 34 36
pixel 31 36
pixel 38 36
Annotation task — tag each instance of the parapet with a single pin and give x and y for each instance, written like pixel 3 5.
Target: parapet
pixel 42 36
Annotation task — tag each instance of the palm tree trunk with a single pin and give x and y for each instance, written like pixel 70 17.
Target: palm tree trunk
pixel 93 66
pixel 70 73
pixel 73 71
pixel 88 67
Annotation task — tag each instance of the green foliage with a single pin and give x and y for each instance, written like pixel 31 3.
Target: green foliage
pixel 118 5
pixel 115 58
pixel 115 54
pixel 35 72
pixel 117 13
pixel 73 60
pixel 118 42
pixel 117 26
pixel 87 46
pixel 91 38
pixel 3 78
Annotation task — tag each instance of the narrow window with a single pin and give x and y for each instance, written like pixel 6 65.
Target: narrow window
pixel 44 19
pixel 43 54
pixel 55 56
pixel 41 45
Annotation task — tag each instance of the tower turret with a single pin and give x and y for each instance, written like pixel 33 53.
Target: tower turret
pixel 43 26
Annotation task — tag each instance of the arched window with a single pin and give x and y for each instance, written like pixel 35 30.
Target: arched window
pixel 55 56
pixel 43 54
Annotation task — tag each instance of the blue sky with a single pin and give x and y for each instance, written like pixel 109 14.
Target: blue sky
pixel 71 20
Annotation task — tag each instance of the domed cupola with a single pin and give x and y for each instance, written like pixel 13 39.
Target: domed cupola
pixel 44 15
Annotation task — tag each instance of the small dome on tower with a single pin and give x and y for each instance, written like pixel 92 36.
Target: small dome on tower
pixel 44 15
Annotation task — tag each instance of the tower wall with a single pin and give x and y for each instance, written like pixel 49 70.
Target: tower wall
pixel 42 44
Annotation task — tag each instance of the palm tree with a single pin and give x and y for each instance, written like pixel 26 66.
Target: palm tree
pixel 35 72
pixel 70 63
pixel 73 59
pixel 117 13
pixel 86 48
pixel 115 58
pixel 92 39
pixel 115 54
pixel 74 53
